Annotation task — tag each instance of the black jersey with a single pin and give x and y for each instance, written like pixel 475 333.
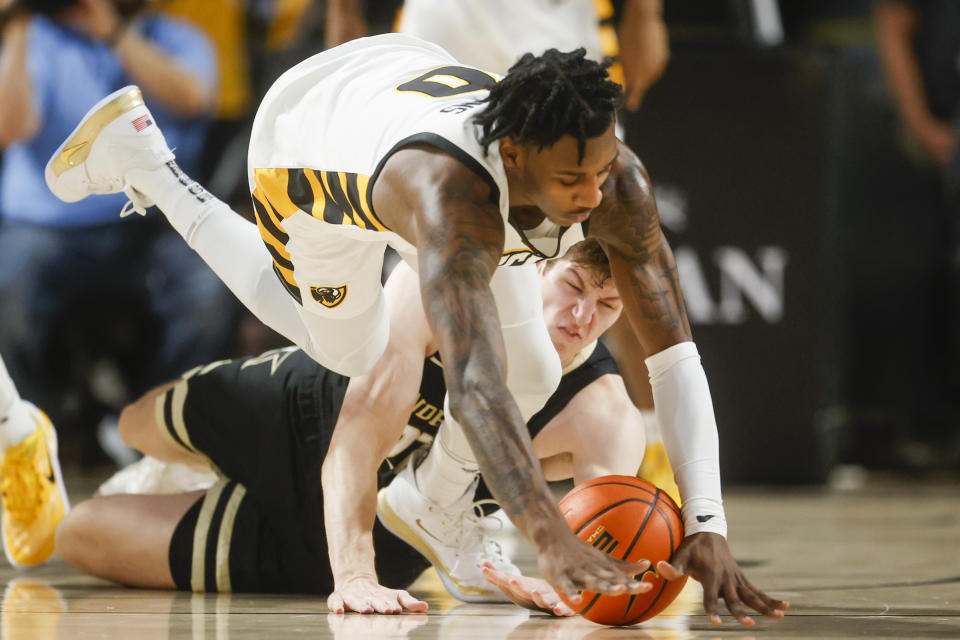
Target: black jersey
pixel 428 412
pixel 265 423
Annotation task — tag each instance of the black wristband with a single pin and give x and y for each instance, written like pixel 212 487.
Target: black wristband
pixel 116 33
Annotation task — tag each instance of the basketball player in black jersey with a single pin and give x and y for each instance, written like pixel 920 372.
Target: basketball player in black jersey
pixel 265 423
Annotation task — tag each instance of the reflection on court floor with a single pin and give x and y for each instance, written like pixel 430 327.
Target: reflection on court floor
pixel 877 562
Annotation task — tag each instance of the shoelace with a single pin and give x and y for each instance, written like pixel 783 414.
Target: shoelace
pixel 136 204
pixel 475 526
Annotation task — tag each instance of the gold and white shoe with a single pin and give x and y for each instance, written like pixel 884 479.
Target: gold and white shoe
pixel 118 135
pixel 33 495
pixel 453 538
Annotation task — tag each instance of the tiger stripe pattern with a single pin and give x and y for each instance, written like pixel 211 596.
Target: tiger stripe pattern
pixel 335 197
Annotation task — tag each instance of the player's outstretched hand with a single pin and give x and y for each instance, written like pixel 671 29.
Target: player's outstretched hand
pixel 707 559
pixel 364 594
pixel 570 565
pixel 526 592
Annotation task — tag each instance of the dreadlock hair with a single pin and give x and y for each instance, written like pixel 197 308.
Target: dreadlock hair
pixel 543 98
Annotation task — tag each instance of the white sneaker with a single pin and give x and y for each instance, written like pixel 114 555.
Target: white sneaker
pixel 117 135
pixel 452 538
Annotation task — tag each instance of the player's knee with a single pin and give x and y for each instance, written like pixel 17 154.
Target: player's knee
pixel 76 537
pixel 128 425
pixel 137 421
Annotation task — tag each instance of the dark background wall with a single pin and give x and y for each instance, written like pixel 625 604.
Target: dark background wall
pixel 812 248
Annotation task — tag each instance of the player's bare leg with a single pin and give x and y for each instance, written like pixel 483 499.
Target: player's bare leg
pixel 141 428
pixel 125 538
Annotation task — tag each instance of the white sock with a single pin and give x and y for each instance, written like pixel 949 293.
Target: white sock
pixel 15 420
pixel 231 246
pixel 450 466
pixel 183 201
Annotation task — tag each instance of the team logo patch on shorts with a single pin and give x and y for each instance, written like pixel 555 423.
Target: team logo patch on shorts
pixel 329 297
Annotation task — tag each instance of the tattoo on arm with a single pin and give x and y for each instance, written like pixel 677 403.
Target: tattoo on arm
pixel 457 260
pixel 628 225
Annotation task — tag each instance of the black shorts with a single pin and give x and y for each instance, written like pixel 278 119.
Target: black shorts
pixel 264 423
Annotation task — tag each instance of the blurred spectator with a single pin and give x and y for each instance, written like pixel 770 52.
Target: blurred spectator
pixel 255 41
pixel 919 46
pixel 71 274
pixel 224 22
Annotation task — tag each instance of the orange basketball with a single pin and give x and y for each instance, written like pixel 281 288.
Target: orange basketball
pixel 633 520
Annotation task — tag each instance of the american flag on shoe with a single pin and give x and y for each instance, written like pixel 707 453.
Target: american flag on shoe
pixel 142 122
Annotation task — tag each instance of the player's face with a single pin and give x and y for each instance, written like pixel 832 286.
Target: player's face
pixel 563 188
pixel 576 307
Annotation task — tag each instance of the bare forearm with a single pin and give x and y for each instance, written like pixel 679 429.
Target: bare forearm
pixel 644 48
pixel 641 261
pixel 894 31
pixel 656 310
pixel 179 91
pixel 510 467
pixel 622 342
pixel 374 412
pixel 481 402
pixel 349 509
pixel 344 22
pixel 18 118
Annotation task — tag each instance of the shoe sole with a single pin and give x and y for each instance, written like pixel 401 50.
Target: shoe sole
pixel 50 433
pixel 395 525
pixel 75 149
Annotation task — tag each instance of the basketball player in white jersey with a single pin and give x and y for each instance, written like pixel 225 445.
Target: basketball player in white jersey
pixel 493 34
pixel 387 140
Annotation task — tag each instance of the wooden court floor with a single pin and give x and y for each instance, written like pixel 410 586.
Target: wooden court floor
pixel 877 562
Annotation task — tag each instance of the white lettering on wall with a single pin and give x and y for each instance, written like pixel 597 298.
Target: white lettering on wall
pixel 745 284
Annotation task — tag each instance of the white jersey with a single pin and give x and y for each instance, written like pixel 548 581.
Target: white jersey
pixel 327 126
pixel 492 34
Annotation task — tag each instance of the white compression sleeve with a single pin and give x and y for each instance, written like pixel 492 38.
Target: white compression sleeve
pixel 684 410
pixel 231 246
